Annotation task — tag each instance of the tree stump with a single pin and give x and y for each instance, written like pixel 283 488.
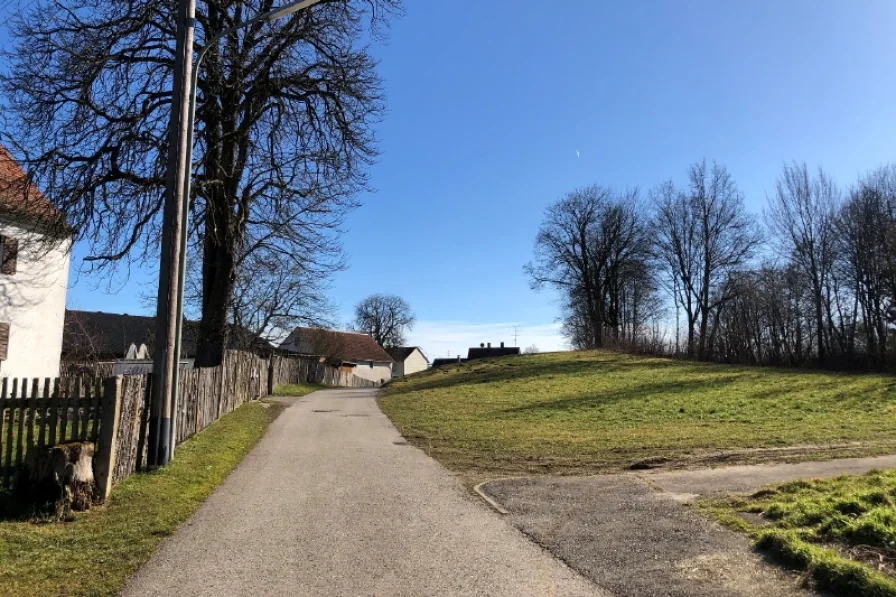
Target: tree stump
pixel 60 476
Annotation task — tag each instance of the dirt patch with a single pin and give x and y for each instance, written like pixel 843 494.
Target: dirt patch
pixel 650 463
pixel 753 518
pixel 881 559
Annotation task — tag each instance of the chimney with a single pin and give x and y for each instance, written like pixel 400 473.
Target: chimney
pixel 489 344
pixel 502 345
pixel 482 345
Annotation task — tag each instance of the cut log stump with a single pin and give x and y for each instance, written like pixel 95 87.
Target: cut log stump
pixel 60 476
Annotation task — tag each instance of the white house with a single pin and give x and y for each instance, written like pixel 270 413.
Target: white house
pixel 408 360
pixel 352 351
pixel 33 277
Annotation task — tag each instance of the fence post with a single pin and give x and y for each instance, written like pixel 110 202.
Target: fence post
pixel 104 461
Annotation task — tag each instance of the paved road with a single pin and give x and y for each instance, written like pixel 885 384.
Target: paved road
pixel 638 542
pixel 632 534
pixel 329 504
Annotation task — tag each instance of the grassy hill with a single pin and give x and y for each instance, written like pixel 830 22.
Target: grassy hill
pixel 590 411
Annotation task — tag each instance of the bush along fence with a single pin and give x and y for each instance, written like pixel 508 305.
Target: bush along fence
pixel 37 415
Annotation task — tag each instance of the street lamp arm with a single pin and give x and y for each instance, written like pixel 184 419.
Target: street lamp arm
pixel 271 15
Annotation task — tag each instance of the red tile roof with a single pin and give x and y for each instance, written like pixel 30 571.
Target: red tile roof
pixel 347 346
pixel 18 196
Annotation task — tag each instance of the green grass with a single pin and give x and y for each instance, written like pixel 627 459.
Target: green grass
pixel 94 555
pixel 592 411
pixel 296 389
pixel 842 531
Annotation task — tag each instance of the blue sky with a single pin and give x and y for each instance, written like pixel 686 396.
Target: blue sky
pixel 490 101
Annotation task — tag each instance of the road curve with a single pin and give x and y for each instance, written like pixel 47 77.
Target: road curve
pixel 330 503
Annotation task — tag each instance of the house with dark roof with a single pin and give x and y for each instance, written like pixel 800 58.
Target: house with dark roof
pixel 34 263
pixel 99 337
pixel 353 352
pixel 408 360
pixel 436 363
pixel 486 351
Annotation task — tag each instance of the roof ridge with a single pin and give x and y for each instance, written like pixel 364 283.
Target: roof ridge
pixel 302 327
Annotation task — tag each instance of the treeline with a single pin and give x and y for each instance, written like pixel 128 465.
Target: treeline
pixel 689 271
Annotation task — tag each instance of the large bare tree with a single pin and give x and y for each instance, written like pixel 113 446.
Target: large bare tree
pixel 801 218
pixel 386 317
pixel 701 236
pixel 593 247
pixel 284 132
pixel 866 253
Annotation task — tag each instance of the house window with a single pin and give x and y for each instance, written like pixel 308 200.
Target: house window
pixel 9 253
pixel 4 341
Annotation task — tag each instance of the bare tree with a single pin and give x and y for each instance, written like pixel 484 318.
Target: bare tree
pixel 532 349
pixel 284 121
pixel 385 317
pixel 801 219
pixel 701 237
pixel 593 247
pixel 866 224
pixel 273 295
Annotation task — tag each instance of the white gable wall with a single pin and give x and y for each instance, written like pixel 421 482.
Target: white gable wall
pixel 373 371
pixel 415 363
pixel 32 302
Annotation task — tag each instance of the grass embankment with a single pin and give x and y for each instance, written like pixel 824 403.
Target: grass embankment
pixel 591 411
pixel 842 531
pixel 96 554
pixel 296 389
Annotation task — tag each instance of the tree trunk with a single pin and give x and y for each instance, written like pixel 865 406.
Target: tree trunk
pixel 218 276
pixel 819 324
pixel 60 477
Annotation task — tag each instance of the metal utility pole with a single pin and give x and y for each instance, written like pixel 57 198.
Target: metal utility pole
pixel 516 334
pixel 165 357
pixel 170 306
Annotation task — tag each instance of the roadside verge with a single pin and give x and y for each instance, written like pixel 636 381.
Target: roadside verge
pixel 96 553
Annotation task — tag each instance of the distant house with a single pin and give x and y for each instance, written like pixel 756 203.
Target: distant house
pixel 408 360
pixel 34 262
pixel 94 336
pixel 351 351
pixel 449 361
pixel 486 351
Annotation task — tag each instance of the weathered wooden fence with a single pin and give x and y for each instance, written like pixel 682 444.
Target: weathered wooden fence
pixel 115 412
pixel 284 370
pixel 35 413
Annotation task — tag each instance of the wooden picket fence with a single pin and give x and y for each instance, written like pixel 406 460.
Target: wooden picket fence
pixel 36 413
pixel 115 412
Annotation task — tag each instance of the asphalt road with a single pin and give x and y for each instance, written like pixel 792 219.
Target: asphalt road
pixel 685 485
pixel 638 542
pixel 331 503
